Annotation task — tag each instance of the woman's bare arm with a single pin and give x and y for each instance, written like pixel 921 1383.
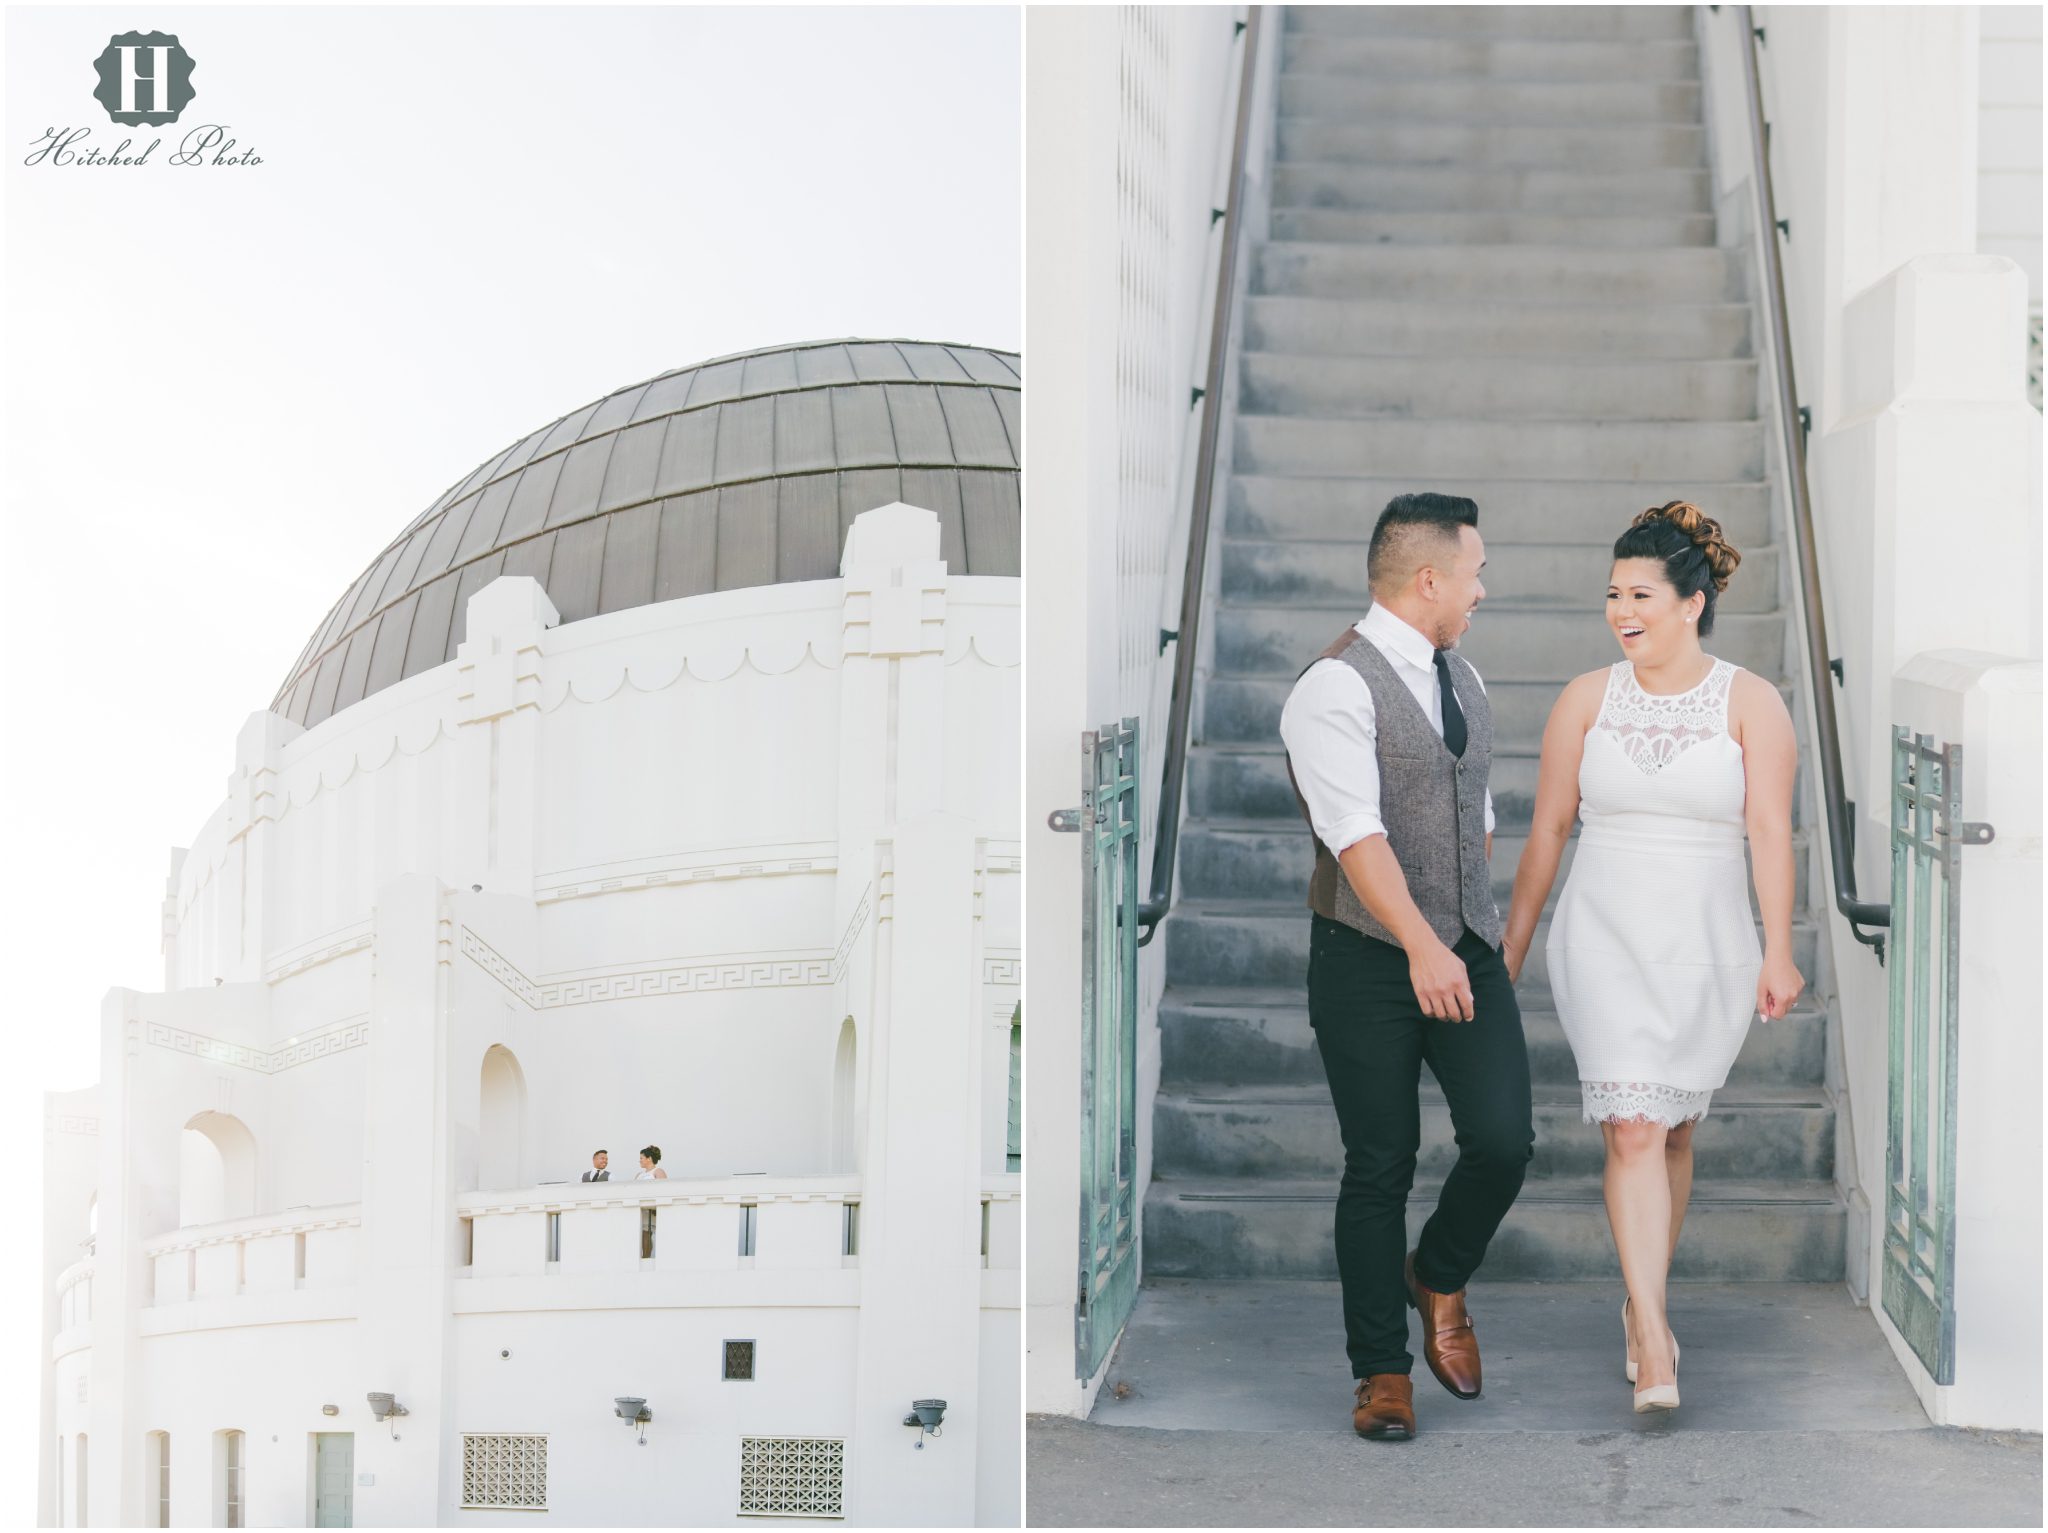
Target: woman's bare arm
pixel 1770 758
pixel 1557 806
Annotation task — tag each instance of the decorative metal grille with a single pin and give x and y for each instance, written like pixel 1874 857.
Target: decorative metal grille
pixel 505 1469
pixel 2034 356
pixel 792 1476
pixel 1109 1042
pixel 1919 1287
pixel 739 1360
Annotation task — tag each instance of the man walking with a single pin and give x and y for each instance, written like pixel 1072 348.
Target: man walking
pixel 1389 738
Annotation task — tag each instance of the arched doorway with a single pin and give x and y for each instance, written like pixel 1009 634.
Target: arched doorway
pixel 216 1169
pixel 844 1092
pixel 501 1120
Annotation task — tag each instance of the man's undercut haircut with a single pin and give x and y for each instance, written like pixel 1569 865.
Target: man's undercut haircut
pixel 595 1153
pixel 1416 530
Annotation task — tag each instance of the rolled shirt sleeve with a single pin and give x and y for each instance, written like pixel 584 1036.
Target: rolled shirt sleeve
pixel 1329 728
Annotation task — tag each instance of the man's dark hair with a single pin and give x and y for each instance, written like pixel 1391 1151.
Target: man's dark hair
pixel 595 1153
pixel 1411 532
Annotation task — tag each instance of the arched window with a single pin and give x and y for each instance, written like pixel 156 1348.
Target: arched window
pixel 229 1466
pixel 160 1472
pixel 501 1120
pixel 216 1169
pixel 844 1092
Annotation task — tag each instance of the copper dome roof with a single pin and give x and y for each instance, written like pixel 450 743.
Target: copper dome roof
pixel 741 471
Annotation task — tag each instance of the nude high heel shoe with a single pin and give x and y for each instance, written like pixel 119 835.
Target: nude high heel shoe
pixel 1628 1362
pixel 1656 1397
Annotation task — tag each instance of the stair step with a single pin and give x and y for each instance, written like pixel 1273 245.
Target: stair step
pixel 1453 451
pixel 1337 226
pixel 1339 388
pixel 1550 60
pixel 1210 1035
pixel 1750 1134
pixel 1557 1231
pixel 1617 332
pixel 1568 576
pixel 1430 188
pixel 1616 103
pixel 1265 942
pixel 1392 141
pixel 1506 642
pixel 1659 22
pixel 1270 859
pixel 1245 710
pixel 1249 782
pixel 1512 275
pixel 1510 511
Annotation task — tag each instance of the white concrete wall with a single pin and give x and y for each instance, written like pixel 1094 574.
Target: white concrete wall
pixel 2009 164
pixel 1909 347
pixel 1112 469
pixel 660 857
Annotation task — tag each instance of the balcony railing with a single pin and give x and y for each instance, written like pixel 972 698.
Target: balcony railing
pixel 309 1248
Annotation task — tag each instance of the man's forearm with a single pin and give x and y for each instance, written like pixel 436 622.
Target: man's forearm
pixel 1376 878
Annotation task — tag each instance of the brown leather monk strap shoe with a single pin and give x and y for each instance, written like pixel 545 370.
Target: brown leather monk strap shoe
pixel 1386 1408
pixel 1449 1344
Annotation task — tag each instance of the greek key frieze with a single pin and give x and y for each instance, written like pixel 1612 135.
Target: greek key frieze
pixel 350 1034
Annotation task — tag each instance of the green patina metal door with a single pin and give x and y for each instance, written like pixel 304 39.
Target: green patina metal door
pixel 1928 834
pixel 1109 1041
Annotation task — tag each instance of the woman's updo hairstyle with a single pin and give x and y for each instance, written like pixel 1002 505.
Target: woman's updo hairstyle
pixel 1690 546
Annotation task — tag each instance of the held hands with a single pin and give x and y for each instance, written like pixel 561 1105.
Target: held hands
pixel 1442 986
pixel 1778 986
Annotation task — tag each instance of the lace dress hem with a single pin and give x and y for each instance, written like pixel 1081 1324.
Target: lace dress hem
pixel 1642 1102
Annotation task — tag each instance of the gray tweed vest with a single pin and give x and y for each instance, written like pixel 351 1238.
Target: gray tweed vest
pixel 1433 805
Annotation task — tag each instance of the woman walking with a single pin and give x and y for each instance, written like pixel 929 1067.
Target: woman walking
pixel 1668 759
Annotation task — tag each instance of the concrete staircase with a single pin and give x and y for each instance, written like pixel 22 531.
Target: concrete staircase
pixel 1491 271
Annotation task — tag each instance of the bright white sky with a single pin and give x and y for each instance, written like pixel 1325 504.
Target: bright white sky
pixel 227 388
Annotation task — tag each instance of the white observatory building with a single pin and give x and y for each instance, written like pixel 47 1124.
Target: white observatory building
pixel 657 786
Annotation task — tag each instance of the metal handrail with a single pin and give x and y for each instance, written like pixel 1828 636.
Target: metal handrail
pixel 1167 843
pixel 1841 828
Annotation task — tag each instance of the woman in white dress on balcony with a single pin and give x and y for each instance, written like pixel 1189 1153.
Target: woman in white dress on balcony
pixel 1668 758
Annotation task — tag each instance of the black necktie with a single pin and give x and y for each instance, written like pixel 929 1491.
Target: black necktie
pixel 1454 716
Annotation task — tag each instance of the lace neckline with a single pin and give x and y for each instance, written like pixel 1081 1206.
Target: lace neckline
pixel 1655 730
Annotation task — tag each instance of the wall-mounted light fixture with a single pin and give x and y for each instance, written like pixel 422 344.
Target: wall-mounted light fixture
pixel 925 1415
pixel 385 1407
pixel 330 1410
pixel 632 1410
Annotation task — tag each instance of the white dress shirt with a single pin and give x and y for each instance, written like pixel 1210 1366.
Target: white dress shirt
pixel 1332 731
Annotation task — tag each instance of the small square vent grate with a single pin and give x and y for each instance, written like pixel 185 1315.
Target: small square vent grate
pixel 739 1360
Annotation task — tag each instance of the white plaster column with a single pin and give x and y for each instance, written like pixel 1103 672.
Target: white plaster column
pixel 115 1467
pixel 891 737
pixel 921 1273
pixel 254 802
pixel 497 710
pixel 1071 56
pixel 409 1225
pixel 1991 706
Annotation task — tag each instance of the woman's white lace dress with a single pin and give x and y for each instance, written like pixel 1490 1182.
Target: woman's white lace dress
pixel 1653 950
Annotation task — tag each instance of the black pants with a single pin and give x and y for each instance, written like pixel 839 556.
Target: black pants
pixel 1374 1039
